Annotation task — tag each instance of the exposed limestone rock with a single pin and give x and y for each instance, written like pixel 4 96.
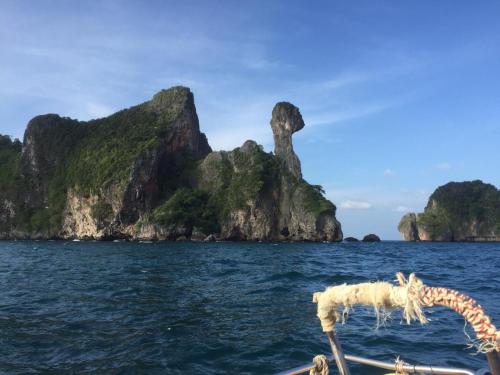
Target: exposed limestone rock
pixel 148 173
pixel 48 141
pixel 7 210
pixel 242 183
pixel 408 227
pixel 263 195
pixel 55 146
pixel 286 120
pixel 182 143
pixel 210 238
pixel 305 222
pixel 197 235
pixel 7 213
pixel 160 232
pixel 78 220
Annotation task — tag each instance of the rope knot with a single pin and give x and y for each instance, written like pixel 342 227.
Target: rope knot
pixel 320 365
pixel 398 366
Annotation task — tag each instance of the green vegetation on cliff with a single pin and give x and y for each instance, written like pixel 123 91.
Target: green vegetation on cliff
pixel 150 164
pixel 110 146
pixel 256 196
pixel 314 201
pixel 187 208
pixel 10 156
pixel 10 182
pixel 435 222
pixel 466 202
pixel 89 157
pixel 254 171
pixel 460 211
pixel 237 178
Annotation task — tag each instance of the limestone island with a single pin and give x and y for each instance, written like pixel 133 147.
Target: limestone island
pixel 457 211
pixel 148 173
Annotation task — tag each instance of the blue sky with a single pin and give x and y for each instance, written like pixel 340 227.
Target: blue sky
pixel 398 97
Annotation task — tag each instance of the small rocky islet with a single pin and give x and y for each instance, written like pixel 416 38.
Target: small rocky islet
pixel 149 173
pixel 368 238
pixel 457 211
pixel 351 239
pixel 371 238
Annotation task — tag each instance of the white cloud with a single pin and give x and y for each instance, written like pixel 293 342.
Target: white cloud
pixel 230 105
pixel 355 205
pixel 379 198
pixel 360 110
pixel 444 166
pixel 387 207
pixel 388 172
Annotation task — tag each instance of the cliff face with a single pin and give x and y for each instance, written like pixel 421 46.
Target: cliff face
pixel 457 211
pixel 257 199
pixel 96 179
pixel 248 194
pixel 10 157
pixel 408 227
pixel 147 172
pixel 286 120
pixel 304 214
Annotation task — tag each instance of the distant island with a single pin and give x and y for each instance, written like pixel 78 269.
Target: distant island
pixel 148 173
pixel 457 211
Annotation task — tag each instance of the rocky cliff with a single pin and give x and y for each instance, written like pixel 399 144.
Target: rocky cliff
pixel 457 211
pixel 263 196
pixel 147 172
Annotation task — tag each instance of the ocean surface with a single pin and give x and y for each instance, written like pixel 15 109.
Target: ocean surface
pixel 222 308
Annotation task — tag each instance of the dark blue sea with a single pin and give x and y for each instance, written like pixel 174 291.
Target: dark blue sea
pixel 221 308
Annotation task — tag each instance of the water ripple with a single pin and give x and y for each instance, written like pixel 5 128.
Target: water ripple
pixel 132 308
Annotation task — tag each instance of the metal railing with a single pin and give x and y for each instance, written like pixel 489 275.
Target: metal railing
pixel 408 368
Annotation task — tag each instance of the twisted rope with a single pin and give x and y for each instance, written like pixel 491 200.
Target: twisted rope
pixel 320 365
pixel 473 313
pixel 487 334
pixel 411 295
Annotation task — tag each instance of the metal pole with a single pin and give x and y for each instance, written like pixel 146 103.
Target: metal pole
pixel 410 369
pixel 494 362
pixel 338 353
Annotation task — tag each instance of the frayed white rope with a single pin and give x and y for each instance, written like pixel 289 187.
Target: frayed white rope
pixel 410 296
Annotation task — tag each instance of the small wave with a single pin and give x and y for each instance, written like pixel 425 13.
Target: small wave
pixel 291 275
pixel 225 308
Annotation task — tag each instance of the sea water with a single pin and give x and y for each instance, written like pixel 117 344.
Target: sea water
pixel 215 308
